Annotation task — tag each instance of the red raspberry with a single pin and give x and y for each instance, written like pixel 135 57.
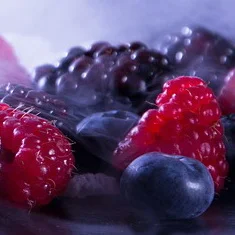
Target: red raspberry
pixel 227 95
pixel 6 51
pixel 186 123
pixel 36 159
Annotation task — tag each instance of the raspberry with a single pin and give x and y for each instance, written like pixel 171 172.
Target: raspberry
pixel 186 123
pixel 6 51
pixel 36 159
pixel 10 68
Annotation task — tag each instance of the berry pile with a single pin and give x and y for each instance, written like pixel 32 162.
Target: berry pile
pixel 65 116
pixel 104 73
pixel 185 123
pixel 176 149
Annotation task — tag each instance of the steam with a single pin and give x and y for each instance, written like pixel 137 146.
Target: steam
pixel 47 29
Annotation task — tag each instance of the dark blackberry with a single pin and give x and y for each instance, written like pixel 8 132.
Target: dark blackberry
pixel 65 116
pixel 110 75
pixel 193 42
pixel 199 52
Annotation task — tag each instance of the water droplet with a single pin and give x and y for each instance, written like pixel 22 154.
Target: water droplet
pixel 178 56
pixel 51 152
pixel 124 79
pixel 143 86
pixel 186 31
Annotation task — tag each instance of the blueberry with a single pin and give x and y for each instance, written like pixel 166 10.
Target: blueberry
pixel 101 132
pixel 229 140
pixel 170 186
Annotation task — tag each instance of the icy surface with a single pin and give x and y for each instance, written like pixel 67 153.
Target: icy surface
pixel 92 185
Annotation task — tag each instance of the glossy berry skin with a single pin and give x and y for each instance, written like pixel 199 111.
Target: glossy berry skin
pixel 71 55
pixel 101 132
pixel 196 51
pixel 42 71
pixel 187 122
pixel 117 75
pixel 227 95
pixel 229 140
pixel 193 42
pixel 172 187
pixel 36 158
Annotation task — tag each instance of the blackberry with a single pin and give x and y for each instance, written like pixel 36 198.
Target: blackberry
pixel 65 116
pixel 196 51
pixel 194 42
pixel 118 76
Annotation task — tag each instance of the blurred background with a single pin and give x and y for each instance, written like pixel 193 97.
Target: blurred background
pixel 42 30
